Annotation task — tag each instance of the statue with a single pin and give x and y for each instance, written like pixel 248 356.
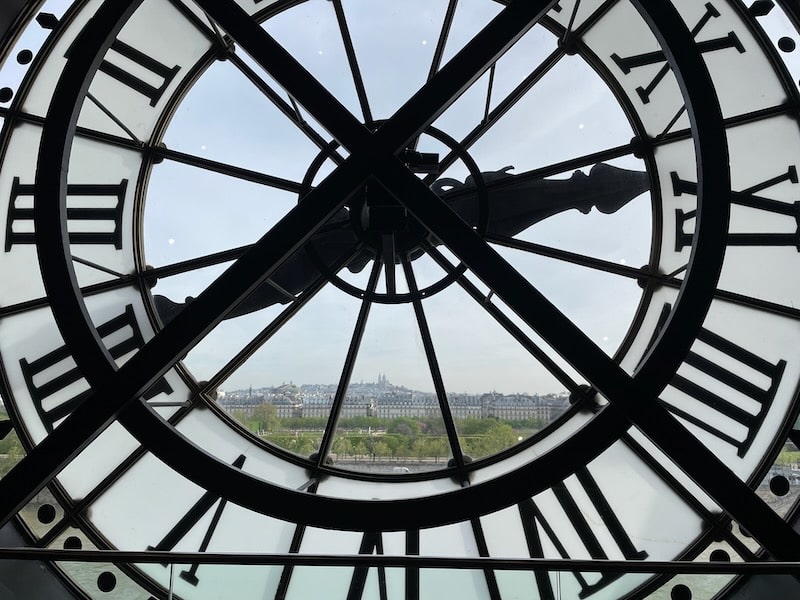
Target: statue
pixel 514 204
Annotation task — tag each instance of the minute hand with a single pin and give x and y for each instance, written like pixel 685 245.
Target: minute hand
pixel 515 203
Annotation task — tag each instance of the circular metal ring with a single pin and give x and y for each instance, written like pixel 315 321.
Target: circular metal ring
pixel 209 472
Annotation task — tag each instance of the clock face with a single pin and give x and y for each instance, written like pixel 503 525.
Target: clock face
pixel 488 279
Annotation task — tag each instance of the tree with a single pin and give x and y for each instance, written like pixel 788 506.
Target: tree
pixel 305 445
pixel 421 448
pixel 403 426
pixel 381 448
pixel 496 438
pixel 266 415
pixel 359 449
pixel 369 444
pixel 342 446
pixel 397 444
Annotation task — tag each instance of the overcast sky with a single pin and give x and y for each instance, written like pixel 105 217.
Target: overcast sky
pixel 570 113
pixel 191 212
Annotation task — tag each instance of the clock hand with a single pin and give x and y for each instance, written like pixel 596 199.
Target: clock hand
pixel 515 203
pixel 331 246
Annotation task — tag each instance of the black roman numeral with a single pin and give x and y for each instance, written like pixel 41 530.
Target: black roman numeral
pixel 161 71
pixel 748 198
pixel 533 519
pixel 627 64
pixel 371 542
pixel 720 401
pixel 155 71
pixel 94 214
pixel 66 374
pixel 190 520
pixel 294 548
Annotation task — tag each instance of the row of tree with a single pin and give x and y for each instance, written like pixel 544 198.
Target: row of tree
pixel 359 446
pixel 400 437
pixel 264 418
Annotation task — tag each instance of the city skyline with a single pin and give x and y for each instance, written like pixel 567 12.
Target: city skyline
pixel 383 380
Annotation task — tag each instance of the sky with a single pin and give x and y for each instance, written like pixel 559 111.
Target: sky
pixel 570 112
pixel 474 353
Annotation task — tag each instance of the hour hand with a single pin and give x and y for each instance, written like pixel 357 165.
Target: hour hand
pixel 516 202
pixel 329 248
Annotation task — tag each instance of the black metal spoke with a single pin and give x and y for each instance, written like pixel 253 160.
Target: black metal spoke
pixel 643 274
pixel 438 53
pixel 571 23
pixel 489 88
pixel 349 365
pixel 192 264
pixel 502 319
pixel 289 109
pixel 502 108
pixel 715 520
pixel 736 298
pixel 754 116
pixel 583 260
pixel 205 27
pixel 444 34
pixel 491 117
pixel 95 266
pixel 226 169
pixel 433 366
pixel 161 152
pixel 352 60
pixel 277 323
pixel 81 132
pixel 113 117
pixel 483 550
pixel 213 33
pixel 672 121
pixel 416 114
pixel 89 290
pixel 78 507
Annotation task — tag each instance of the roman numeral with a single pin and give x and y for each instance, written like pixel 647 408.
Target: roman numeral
pixel 627 64
pixel 190 520
pixel 719 399
pixel 94 214
pixel 155 69
pixel 294 547
pixel 58 370
pixel 370 542
pixel 533 519
pixel 748 198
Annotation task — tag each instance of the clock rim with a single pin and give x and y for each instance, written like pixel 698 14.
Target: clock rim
pixel 445 512
pixel 787 422
pixel 637 316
